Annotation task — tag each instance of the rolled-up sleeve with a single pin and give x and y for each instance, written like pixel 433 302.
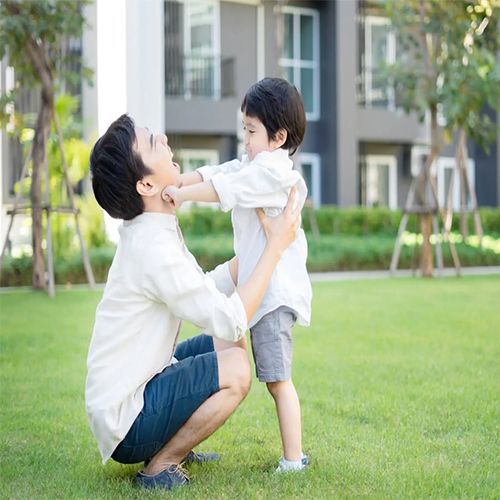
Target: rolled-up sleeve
pixel 230 167
pixel 222 278
pixel 256 186
pixel 191 295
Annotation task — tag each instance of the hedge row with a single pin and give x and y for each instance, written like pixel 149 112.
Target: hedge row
pixel 330 253
pixel 334 220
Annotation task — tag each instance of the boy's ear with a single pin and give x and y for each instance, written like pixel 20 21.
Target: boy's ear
pixel 281 137
pixel 144 188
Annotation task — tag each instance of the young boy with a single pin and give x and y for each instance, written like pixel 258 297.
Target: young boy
pixel 275 123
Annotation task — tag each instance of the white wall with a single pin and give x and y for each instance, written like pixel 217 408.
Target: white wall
pixel 130 75
pixel 145 59
pixel 130 63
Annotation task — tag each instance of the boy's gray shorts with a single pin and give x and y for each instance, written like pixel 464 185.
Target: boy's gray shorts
pixel 272 345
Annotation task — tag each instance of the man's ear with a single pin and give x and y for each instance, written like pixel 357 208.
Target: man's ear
pixel 281 137
pixel 144 188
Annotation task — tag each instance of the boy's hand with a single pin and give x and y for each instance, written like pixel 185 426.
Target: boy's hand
pixel 172 195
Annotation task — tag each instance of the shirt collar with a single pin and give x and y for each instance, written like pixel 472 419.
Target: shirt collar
pixel 165 221
pixel 275 159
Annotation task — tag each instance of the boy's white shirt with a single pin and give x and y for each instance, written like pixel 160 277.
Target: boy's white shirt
pixel 264 182
pixel 154 283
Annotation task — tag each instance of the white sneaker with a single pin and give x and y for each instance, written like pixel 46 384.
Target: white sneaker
pixel 287 466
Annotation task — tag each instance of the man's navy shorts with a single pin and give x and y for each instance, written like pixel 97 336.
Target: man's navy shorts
pixel 170 398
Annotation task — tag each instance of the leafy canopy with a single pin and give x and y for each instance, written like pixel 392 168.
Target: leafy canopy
pixel 448 61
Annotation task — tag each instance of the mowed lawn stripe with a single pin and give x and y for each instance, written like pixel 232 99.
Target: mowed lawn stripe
pixel 399 382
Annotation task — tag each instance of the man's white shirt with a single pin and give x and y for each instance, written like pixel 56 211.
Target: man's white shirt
pixel 154 283
pixel 264 182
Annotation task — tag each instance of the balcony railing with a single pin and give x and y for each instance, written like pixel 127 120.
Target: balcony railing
pixel 210 77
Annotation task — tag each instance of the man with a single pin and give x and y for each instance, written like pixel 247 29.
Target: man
pixel 148 398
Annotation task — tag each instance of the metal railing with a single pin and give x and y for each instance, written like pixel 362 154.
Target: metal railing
pixel 210 77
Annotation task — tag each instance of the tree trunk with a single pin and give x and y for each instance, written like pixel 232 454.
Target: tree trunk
pixel 427 262
pixel 463 200
pixel 42 130
pixel 37 52
pixel 427 258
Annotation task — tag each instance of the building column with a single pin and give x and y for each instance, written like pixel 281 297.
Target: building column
pixel 145 72
pixel 111 76
pixel 347 140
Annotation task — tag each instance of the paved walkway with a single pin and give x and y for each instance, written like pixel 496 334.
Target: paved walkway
pixel 402 273
pixel 317 277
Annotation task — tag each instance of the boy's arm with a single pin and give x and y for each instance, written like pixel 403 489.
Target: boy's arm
pixel 203 191
pixel 258 186
pixel 190 178
pixel 230 167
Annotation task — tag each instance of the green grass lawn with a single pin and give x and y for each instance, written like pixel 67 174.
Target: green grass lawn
pixel 399 382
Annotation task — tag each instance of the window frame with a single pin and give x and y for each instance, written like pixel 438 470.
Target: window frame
pixel 212 155
pixel 448 162
pixel 391 160
pixel 315 160
pixel 296 63
pixel 371 21
pixel 198 154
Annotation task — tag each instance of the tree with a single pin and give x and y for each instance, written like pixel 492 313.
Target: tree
pixel 448 64
pixel 31 36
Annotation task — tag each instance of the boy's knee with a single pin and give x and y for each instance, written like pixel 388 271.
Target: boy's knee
pixel 276 387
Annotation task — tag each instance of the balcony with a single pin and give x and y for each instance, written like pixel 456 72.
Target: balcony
pixel 205 77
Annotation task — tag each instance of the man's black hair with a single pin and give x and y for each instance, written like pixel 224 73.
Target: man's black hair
pixel 115 169
pixel 277 104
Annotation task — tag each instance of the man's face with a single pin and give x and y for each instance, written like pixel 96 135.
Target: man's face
pixel 256 139
pixel 157 155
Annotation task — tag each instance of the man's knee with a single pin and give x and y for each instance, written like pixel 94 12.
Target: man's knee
pixel 234 370
pixel 242 370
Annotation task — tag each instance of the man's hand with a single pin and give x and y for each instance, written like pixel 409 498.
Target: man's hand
pixel 172 195
pixel 282 230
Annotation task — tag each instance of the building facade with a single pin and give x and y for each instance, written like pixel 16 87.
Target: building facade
pixel 183 67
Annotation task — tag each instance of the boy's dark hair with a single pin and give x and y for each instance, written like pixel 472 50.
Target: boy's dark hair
pixel 115 169
pixel 277 104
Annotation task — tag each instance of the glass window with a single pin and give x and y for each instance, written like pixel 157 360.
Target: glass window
pixel 300 55
pixel 306 38
pixel 191 159
pixel 309 165
pixel 288 36
pixel 380 49
pixel 381 181
pixel 445 168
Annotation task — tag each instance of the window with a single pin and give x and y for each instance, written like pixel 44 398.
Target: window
pixel 445 167
pixel 192 48
pixel 191 159
pixel 381 181
pixel 379 48
pixel 419 155
pixel 300 55
pixel 309 165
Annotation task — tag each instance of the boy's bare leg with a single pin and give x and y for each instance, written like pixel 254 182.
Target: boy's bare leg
pixel 234 383
pixel 288 407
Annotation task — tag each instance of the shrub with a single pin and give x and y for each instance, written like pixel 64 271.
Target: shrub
pixel 330 253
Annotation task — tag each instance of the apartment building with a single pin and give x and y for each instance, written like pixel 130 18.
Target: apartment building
pixel 183 66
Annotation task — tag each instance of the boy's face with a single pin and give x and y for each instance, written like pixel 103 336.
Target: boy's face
pixel 256 139
pixel 157 155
